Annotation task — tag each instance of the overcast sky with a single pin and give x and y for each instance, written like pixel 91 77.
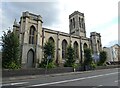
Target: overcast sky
pixel 100 15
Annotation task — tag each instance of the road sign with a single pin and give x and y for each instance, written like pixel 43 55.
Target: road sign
pixel 49 57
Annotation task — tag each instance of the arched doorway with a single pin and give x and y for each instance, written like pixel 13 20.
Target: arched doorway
pixel 30 58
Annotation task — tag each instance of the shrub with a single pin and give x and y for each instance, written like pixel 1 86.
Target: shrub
pixel 87 56
pixel 75 65
pixel 93 65
pixel 103 58
pixel 70 60
pixel 10 51
pixel 49 50
pixel 12 65
pixel 51 65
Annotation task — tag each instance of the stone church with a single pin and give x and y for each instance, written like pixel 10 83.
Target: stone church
pixel 32 37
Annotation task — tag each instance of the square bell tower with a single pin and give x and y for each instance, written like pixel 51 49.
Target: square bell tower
pixel 77 24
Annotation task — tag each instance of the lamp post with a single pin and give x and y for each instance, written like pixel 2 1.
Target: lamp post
pixel 48 58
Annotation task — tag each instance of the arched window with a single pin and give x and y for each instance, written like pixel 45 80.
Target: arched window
pixel 73 22
pixel 32 35
pixel 76 50
pixel 98 45
pixel 85 46
pixel 64 48
pixel 82 19
pixel 80 22
pixel 51 40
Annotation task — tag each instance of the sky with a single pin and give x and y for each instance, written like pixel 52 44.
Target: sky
pixel 100 15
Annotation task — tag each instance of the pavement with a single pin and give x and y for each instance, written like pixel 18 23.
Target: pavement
pixel 9 79
pixel 95 79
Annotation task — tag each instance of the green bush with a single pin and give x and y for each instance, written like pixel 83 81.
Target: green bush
pixel 49 51
pixel 103 58
pixel 12 65
pixel 67 65
pixel 10 51
pixel 75 65
pixel 51 65
pixel 43 64
pixel 87 56
pixel 70 58
pixel 93 65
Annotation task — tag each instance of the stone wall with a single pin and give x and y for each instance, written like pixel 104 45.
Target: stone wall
pixel 33 71
pixel 41 71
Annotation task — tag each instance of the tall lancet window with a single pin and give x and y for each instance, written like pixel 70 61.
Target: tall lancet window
pixel 51 40
pixel 64 48
pixel 32 35
pixel 80 22
pixel 73 22
pixel 76 50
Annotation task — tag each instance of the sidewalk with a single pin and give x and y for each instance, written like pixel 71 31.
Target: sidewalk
pixel 9 79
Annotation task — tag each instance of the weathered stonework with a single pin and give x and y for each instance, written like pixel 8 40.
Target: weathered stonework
pixel 32 50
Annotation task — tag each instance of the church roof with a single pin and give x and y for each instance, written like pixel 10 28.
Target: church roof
pixel 76 12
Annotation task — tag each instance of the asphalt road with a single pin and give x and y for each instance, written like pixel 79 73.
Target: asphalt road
pixel 89 79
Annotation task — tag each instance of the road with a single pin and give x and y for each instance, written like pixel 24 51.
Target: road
pixel 90 79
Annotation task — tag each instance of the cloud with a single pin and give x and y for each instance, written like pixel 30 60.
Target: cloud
pixel 109 35
pixel 48 10
pixel 100 16
pixel 111 43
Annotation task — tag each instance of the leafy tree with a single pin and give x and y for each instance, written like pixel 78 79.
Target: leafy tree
pixel 103 58
pixel 49 51
pixel 70 59
pixel 10 51
pixel 87 57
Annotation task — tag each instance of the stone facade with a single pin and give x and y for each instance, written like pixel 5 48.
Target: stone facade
pixel 112 53
pixel 32 37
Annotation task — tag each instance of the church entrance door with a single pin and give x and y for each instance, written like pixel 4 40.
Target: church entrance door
pixel 30 58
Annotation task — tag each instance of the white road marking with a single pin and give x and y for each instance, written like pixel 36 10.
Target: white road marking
pixel 19 83
pixel 14 83
pixel 117 81
pixel 73 80
pixel 100 85
pixel 117 68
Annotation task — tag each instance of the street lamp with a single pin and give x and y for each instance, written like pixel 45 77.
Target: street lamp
pixel 48 58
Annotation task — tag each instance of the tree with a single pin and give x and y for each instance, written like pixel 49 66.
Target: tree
pixel 87 57
pixel 49 51
pixel 103 58
pixel 70 59
pixel 88 61
pixel 10 51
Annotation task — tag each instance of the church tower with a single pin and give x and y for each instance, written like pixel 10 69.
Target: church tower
pixel 30 39
pixel 77 24
pixel 96 44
